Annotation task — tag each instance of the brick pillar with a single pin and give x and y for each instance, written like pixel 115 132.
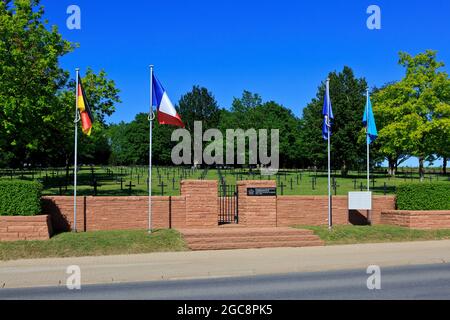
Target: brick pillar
pixel 257 211
pixel 201 203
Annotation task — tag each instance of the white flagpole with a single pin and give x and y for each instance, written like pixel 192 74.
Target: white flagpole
pixel 151 117
pixel 330 213
pixel 367 142
pixel 369 218
pixel 75 171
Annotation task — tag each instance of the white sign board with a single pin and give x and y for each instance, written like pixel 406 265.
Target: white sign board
pixel 360 200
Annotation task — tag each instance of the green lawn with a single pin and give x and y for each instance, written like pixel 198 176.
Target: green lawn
pixel 114 181
pixel 94 244
pixel 135 242
pixel 375 234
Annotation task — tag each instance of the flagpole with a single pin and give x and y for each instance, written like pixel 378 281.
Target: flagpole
pixel 75 171
pixel 367 142
pixel 151 117
pixel 330 213
pixel 369 218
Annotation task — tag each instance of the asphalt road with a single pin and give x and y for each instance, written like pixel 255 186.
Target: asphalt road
pixel 407 282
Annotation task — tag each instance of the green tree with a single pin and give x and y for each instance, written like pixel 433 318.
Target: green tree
pixel 348 99
pixel 36 121
pixel 199 105
pixel 102 95
pixel 239 116
pixel 116 134
pixel 250 112
pixel 130 142
pixel 272 115
pixel 30 77
pixel 387 148
pixel 416 110
pixel 246 103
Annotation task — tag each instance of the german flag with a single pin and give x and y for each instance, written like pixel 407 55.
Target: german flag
pixel 85 111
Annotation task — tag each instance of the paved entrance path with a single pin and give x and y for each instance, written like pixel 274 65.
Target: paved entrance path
pixel 201 264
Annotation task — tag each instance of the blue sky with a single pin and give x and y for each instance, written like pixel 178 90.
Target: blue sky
pixel 279 49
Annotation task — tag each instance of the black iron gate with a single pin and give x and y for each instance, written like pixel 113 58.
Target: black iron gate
pixel 228 204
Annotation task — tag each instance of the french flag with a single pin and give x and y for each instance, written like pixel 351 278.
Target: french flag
pixel 167 114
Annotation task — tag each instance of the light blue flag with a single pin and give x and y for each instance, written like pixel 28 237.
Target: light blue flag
pixel 369 122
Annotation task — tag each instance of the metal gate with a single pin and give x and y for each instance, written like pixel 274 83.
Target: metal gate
pixel 228 204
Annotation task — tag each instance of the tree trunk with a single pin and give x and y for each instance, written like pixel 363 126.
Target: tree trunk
pixel 392 163
pixel 421 168
pixel 67 172
pixel 344 170
pixel 444 165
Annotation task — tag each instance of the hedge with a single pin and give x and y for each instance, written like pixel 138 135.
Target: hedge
pixel 20 198
pixel 423 197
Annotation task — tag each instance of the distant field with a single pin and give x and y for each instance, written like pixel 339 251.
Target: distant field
pixel 115 181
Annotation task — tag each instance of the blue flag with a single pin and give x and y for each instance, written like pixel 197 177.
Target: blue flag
pixel 369 122
pixel 327 113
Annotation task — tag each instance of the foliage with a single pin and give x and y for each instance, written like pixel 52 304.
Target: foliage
pixel 37 98
pixel 415 112
pixel 30 78
pixel 102 95
pixel 301 144
pixel 130 142
pixel 423 197
pixel 199 105
pixel 250 112
pixel 20 198
pixel 348 99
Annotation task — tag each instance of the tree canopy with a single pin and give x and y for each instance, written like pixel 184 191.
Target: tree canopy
pixel 199 105
pixel 37 97
pixel 415 111
pixel 348 99
pixel 30 78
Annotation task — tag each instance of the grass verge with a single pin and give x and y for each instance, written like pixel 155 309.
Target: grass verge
pixel 94 244
pixel 374 234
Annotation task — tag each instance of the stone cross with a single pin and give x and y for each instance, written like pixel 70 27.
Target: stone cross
pixel 162 185
pixel 130 186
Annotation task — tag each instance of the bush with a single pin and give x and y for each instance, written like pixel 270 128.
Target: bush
pixel 20 198
pixel 423 197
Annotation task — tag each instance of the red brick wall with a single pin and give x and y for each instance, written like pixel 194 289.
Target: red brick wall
pixel 25 228
pixel 115 213
pixel 425 220
pixel 313 210
pixel 196 208
pixel 256 211
pixel 201 203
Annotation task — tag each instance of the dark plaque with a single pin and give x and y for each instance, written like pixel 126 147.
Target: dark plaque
pixel 261 192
